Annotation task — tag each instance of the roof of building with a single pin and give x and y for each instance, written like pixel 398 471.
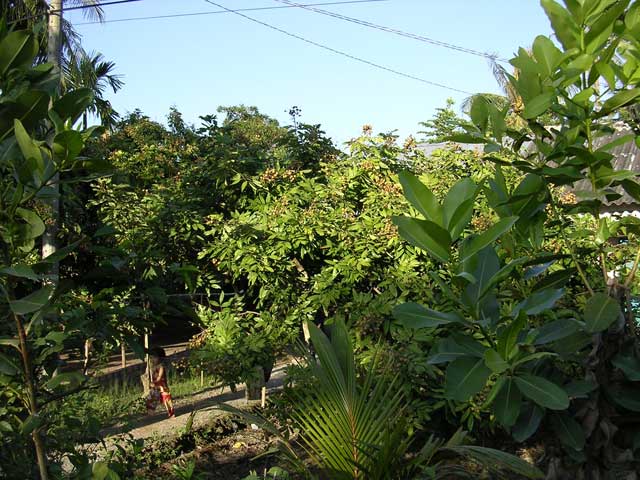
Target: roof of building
pixel 625 157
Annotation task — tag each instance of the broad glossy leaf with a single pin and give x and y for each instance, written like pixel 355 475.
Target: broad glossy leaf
pixel 507 404
pixel 626 397
pixel 600 312
pixel 36 225
pixel 479 112
pixel 454 347
pixel 538 302
pixel 630 365
pixel 557 279
pixel 458 206
pixel 10 342
pixel 414 315
pixel 546 53
pixel 464 378
pixel 21 271
pixel 488 236
pixel 538 105
pixel 483 267
pixel 495 362
pixel 73 104
pixel 32 302
pixel 27 146
pixel 17 49
pixel 562 23
pixel 66 379
pixel 67 146
pixel 568 430
pixel 528 422
pixel 543 392
pixel 556 330
pixel 426 235
pixel 620 99
pixel 421 197
pixel 579 388
pixel 8 366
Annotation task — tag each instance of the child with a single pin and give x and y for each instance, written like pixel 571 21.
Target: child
pixel 158 387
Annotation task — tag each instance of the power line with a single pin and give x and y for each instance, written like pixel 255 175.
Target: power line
pixel 338 52
pixel 394 31
pixel 95 5
pixel 209 12
pixel 79 7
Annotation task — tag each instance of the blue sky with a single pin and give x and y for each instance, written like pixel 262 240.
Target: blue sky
pixel 200 62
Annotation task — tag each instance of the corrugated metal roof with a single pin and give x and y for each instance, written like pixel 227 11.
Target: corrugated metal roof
pixel 625 157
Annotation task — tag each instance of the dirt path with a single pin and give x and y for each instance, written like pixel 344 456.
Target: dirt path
pixel 158 425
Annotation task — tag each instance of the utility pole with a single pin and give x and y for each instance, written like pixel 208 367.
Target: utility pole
pixel 54 56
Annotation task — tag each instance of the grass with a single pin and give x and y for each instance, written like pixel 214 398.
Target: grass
pixel 120 400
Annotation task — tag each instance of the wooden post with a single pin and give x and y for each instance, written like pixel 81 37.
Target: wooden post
pixel 201 378
pixel 263 400
pixel 123 354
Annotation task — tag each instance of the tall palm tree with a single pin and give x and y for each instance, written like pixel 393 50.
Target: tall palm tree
pixel 91 70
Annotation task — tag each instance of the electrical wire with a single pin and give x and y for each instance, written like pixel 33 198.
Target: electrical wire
pixel 79 7
pixel 338 52
pixel 394 31
pixel 102 4
pixel 209 12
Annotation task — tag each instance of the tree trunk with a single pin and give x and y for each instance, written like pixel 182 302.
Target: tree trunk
pixel 41 452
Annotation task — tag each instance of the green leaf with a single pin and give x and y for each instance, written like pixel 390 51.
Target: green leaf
pixel 36 225
pixel 506 406
pixel 479 112
pixel 27 146
pixel 538 302
pixel 32 302
pixel 626 397
pixel 67 379
pixel 562 23
pixel 543 392
pixel 630 365
pixel 426 235
pixel 10 342
pixel 546 53
pixel 620 99
pixel 557 279
pixel 497 460
pixel 67 146
pixel 556 330
pixel 527 423
pixel 414 315
pixel 61 253
pixel 7 366
pixel 21 271
pixel 538 105
pixel 464 378
pixel 73 104
pixel 579 388
pixel 454 347
pixel 495 362
pixel 508 337
pixel 458 206
pixel 32 423
pixel 483 267
pixel 487 237
pixel 421 197
pixel 568 430
pixel 600 312
pixel 17 49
